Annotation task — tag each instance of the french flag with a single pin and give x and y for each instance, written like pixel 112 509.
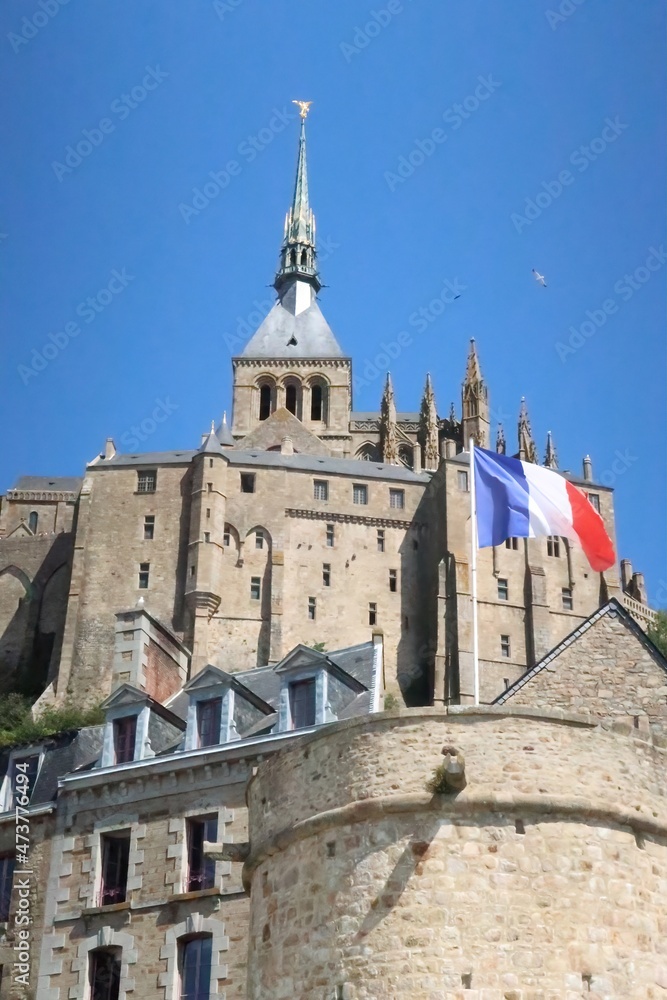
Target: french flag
pixel 516 499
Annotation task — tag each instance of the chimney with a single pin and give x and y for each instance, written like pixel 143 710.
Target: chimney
pixel 450 448
pixel 588 469
pixel 626 575
pixel 287 446
pixel 639 587
pixel 417 458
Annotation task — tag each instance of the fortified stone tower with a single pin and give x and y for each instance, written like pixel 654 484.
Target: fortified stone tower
pixel 543 877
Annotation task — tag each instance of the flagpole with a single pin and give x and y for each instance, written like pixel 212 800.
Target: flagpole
pixel 473 569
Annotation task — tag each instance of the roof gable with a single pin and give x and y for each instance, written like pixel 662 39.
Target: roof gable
pixel 607 667
pixel 270 434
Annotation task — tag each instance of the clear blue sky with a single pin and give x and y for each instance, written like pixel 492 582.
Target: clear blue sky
pixel 219 72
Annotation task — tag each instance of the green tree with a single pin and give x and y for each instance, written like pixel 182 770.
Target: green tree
pixel 657 632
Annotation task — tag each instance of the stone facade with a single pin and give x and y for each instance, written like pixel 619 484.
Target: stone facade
pixel 541 879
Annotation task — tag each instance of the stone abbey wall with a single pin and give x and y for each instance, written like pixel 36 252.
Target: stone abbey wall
pixel 544 878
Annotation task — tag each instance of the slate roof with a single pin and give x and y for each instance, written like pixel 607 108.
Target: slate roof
pixel 333 466
pixel 64 753
pixel 288 334
pixel 62 484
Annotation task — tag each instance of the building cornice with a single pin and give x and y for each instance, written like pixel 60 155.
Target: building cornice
pixel 67 496
pixel 327 515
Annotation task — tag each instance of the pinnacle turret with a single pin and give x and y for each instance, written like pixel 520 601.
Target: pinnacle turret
pixel 428 427
pixel 223 433
pixel 298 253
pixel 550 456
pixel 388 429
pixel 475 402
pixel 501 445
pixel 527 449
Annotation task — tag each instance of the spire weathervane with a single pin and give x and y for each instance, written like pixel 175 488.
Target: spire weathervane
pixel 304 107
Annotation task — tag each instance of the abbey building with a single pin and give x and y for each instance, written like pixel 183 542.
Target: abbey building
pixel 298 521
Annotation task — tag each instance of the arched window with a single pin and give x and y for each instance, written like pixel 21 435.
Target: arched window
pixel 316 400
pixel 264 401
pixel 405 455
pixel 292 258
pixel 291 398
pixel 32 520
pixel 194 967
pixel 369 453
pixel 304 258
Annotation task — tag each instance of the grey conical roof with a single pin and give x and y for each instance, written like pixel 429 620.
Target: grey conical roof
pixel 211 445
pixel 223 433
pixel 294 328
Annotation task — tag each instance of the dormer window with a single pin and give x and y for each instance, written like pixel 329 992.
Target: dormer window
pixel 124 739
pixel 209 717
pixel 302 703
pixel 20 780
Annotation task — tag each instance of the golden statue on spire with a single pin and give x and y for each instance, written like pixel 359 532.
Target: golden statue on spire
pixel 304 107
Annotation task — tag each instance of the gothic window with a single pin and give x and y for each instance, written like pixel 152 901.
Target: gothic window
pixel 304 258
pixel 32 520
pixel 405 455
pixel 264 401
pixel 194 966
pixel 292 258
pixel 104 974
pixel 368 453
pixel 293 397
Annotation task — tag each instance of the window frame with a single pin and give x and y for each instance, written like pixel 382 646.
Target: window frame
pixel 202 990
pixel 567 598
pixel 372 613
pixel 326 574
pixel 294 687
pixel 259 539
pixel 512 543
pixel 312 609
pixel 396 499
pixel 109 838
pixel 124 722
pixel 255 584
pixel 553 546
pixel 209 710
pixel 381 539
pixel 248 479
pixel 505 647
pixel 149 527
pixel 199 876
pixel 144 477
pixel 321 486
pixel 331 536
pixel 463 477
pixel 360 494
pixel 144 576
pixel 503 590
pixel 393 581
pixel 594 501
pixel 111 989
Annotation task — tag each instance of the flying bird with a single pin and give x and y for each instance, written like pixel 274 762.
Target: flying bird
pixel 540 278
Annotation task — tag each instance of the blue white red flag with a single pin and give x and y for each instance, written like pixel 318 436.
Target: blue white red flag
pixel 516 499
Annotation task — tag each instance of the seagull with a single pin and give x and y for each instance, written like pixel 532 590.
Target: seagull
pixel 540 278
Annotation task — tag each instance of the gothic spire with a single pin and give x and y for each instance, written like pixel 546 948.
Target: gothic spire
pixel 527 449
pixel 475 402
pixel 388 431
pixel 428 427
pixel 500 440
pixel 550 457
pixel 223 433
pixel 298 253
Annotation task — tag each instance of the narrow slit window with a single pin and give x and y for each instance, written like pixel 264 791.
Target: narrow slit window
pixel 505 648
pixel 380 540
pixel 312 608
pixel 462 480
pixel 144 575
pixel 330 536
pixel 259 539
pixel 372 613
pixel 326 574
pixel 393 580
pixel 503 589
pixel 149 527
pixel 255 588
